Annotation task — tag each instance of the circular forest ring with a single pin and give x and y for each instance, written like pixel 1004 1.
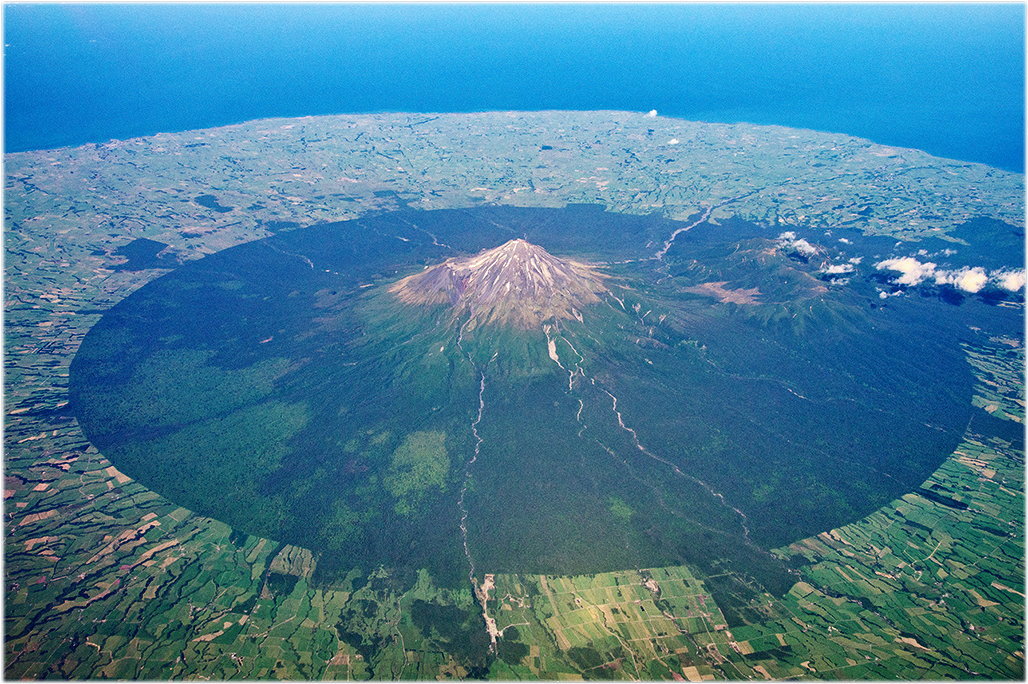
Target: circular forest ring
pixel 623 406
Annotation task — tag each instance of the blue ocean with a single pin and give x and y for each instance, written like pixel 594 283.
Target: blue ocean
pixel 946 78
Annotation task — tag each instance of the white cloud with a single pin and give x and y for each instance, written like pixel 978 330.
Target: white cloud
pixel 968 279
pixel 845 241
pixel 834 269
pixel 673 141
pixel 912 271
pixel 652 114
pixel 788 240
pixel 804 247
pixel 856 260
pixel 1011 281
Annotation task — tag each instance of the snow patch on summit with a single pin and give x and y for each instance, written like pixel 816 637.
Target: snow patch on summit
pixel 517 284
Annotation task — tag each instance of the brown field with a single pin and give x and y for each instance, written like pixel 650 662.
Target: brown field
pixel 725 295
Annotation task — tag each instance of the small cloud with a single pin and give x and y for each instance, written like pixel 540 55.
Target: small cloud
pixel 789 241
pixel 673 141
pixel 804 247
pixel 845 241
pixel 1012 281
pixel 837 269
pixel 967 279
pixel 970 279
pixel 856 260
pixel 652 114
pixel 911 271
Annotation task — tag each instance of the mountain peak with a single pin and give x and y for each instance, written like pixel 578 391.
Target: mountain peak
pixel 517 283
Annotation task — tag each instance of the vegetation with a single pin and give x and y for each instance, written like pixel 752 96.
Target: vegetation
pixel 926 585
pixel 420 463
pixel 662 428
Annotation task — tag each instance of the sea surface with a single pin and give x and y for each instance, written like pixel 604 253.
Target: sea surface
pixel 945 78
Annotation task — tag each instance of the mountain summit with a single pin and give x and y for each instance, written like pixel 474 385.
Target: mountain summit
pixel 517 283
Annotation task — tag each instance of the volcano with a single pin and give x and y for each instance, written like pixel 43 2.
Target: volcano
pixel 517 284
pixel 424 392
